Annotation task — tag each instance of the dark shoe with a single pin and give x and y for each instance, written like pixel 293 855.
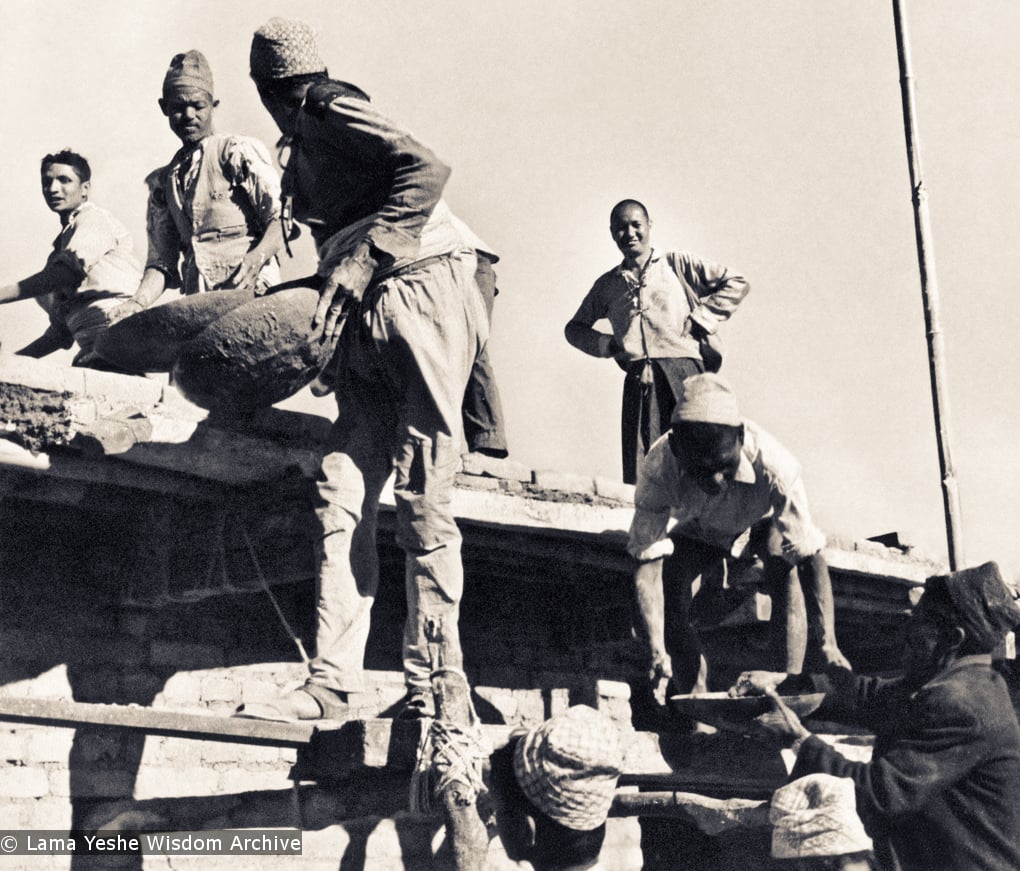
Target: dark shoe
pixel 308 702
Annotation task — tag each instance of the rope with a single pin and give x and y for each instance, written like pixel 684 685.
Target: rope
pixel 276 605
pixel 452 752
pixel 448 753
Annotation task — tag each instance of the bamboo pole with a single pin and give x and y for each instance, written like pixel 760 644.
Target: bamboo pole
pixel 929 294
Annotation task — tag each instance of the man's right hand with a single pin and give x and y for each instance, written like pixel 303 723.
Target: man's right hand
pixel 124 310
pixel 343 286
pixel 757 683
pixel 660 676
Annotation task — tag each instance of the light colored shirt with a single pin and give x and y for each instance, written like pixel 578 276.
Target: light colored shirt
pixel 649 311
pixel 211 204
pixel 767 485
pixel 97 248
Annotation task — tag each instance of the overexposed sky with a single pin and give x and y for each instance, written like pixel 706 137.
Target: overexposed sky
pixel 764 134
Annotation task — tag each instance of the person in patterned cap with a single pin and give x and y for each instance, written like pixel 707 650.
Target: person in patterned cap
pixel 398 293
pixel 942 789
pixel 815 826
pixel 556 784
pixel 213 212
pixel 731 490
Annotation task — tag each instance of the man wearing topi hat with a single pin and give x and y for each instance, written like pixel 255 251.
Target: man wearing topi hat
pixel 942 789
pixel 732 491
pixel 213 211
pixel 556 783
pixel 398 292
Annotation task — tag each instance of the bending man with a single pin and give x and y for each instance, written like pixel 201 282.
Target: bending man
pixel 732 490
pixel 396 271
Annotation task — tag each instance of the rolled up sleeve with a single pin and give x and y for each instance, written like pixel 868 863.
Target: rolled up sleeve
pixel 248 166
pixel 648 539
pixel 792 519
pixel 719 290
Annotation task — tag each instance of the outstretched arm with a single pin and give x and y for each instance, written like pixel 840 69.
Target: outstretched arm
pixel 53 276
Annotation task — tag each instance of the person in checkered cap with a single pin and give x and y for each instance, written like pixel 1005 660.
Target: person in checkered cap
pixel 557 783
pixel 815 826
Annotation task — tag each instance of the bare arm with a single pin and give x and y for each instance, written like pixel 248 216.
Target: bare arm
pixel 652 621
pixel 150 289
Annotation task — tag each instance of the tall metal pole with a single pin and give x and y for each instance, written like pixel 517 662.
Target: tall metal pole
pixel 929 294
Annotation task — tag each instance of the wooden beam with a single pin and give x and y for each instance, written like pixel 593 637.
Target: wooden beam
pixel 155 721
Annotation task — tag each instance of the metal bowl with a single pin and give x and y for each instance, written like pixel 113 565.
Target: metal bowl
pixel 716 707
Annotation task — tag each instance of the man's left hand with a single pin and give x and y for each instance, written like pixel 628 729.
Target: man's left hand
pixel 246 275
pixel 780 723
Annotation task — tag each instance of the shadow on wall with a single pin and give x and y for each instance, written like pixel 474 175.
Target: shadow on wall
pixel 73 580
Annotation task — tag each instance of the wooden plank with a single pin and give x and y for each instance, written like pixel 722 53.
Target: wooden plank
pixel 729 812
pixel 65 714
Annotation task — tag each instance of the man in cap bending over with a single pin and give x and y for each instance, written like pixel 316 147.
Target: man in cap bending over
pixel 732 490
pixel 396 269
pixel 942 789
pixel 213 212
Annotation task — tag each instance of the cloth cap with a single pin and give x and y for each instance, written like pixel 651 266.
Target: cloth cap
pixel 188 70
pixel 568 767
pixel 282 48
pixel 981 602
pixel 816 816
pixel 707 398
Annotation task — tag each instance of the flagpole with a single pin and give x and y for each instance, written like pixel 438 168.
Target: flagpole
pixel 930 295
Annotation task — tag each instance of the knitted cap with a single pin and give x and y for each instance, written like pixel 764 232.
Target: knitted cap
pixel 568 767
pixel 980 602
pixel 283 48
pixel 188 70
pixel 816 816
pixel 707 398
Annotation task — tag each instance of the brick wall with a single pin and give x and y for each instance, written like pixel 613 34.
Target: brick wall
pixel 66 633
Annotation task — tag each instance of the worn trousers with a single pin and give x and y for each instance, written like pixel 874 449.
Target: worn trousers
pixel 648 403
pixel 484 426
pixel 405 364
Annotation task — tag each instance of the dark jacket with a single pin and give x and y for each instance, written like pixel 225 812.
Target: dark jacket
pixel 942 791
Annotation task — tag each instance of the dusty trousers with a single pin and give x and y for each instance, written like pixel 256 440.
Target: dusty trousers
pixel 404 366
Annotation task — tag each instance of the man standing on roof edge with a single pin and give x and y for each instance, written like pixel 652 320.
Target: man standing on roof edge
pixel 664 308
pixel 213 211
pixel 398 291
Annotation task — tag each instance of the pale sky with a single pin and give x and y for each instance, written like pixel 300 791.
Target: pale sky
pixel 764 134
